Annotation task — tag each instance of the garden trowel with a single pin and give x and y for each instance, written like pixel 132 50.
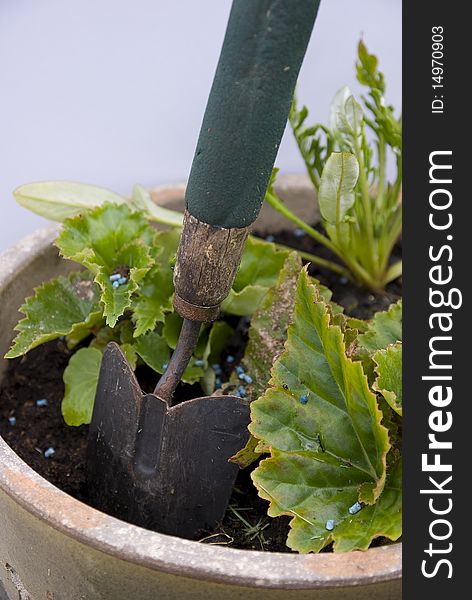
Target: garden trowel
pixel 166 467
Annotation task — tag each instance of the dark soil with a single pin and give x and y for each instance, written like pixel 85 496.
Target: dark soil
pixel 38 375
pixel 357 302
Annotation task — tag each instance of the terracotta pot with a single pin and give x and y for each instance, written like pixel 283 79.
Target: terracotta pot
pixel 54 547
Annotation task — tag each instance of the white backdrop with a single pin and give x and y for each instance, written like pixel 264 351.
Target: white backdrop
pixel 112 92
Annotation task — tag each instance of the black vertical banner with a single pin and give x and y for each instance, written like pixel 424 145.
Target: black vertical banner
pixel 437 162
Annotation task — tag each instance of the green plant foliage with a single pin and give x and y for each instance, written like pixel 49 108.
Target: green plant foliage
pixel 389 375
pixel 383 329
pixel 267 336
pixel 356 532
pixel 336 193
pixel 218 337
pixel 361 208
pixel 367 69
pixel 63 306
pixel 314 142
pixel 348 118
pixel 153 298
pixel 269 325
pixel 143 202
pixel 154 350
pixel 322 424
pixel 58 200
pixel 260 266
pixel 384 518
pixel 104 240
pixel 369 75
pixel 80 379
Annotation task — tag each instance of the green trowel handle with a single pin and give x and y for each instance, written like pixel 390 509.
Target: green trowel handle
pixel 247 109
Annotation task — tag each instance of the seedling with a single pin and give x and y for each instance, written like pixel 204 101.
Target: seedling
pixel 251 531
pixel 360 208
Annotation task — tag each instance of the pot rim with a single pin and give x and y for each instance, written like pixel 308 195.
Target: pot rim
pixel 249 568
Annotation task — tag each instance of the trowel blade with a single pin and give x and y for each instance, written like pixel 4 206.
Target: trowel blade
pixel 162 468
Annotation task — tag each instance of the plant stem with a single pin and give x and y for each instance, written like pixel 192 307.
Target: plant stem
pixel 393 272
pixel 398 182
pixel 291 216
pixel 382 165
pixel 365 194
pixel 311 172
pixel 322 262
pixel 391 237
pixel 360 273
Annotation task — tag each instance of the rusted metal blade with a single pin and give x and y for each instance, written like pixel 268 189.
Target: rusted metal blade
pixel 162 468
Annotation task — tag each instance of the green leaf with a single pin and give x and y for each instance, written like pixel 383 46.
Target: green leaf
pixel 247 455
pixel 193 373
pixel 153 298
pixel 105 335
pixel 315 143
pixel 383 519
pixel 105 240
pixel 171 333
pixel 346 115
pixel 80 379
pixel 269 325
pixel 244 303
pixel 211 343
pixel 218 337
pixel 389 375
pixel 350 119
pixel 393 422
pixel 260 266
pixel 63 306
pixel 142 200
pixel 337 106
pixel 385 328
pixel 328 450
pixel 339 178
pixel 57 200
pixel 356 532
pixel 153 349
pixel 95 238
pixel 361 231
pixel 130 353
pixel 267 336
pixel 385 125
pixel 155 352
pixel 82 331
pixel 367 71
pixel 171 329
pixel 208 381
